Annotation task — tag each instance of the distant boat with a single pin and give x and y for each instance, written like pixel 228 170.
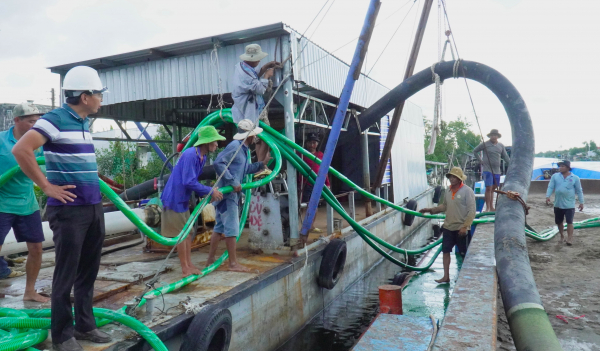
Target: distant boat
pixel 543 168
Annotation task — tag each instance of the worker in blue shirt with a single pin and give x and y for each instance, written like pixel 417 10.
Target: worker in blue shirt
pixel 233 164
pixel 565 185
pixel 19 208
pixel 176 196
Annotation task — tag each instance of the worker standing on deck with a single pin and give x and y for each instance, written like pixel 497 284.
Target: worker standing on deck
pixel 19 209
pixel 233 164
pixel 176 196
pixel 459 206
pixel 492 152
pixel 249 87
pixel 311 144
pixel 565 185
pixel 74 204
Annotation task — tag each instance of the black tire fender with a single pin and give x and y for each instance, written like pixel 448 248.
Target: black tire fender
pixel 332 264
pixel 399 278
pixel 210 330
pixel 409 218
pixel 437 194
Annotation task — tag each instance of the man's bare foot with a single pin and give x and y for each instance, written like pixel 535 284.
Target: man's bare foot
pixel 34 296
pixel 492 210
pixel 187 271
pixel 562 239
pixel 236 267
pixel 210 261
pixel 443 280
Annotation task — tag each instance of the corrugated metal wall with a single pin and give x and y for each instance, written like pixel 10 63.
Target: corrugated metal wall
pixel 196 74
pixel 323 71
pixel 180 76
pixel 408 154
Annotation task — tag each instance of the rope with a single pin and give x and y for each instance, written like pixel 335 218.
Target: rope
pixel 436 110
pixel 214 62
pixel 513 195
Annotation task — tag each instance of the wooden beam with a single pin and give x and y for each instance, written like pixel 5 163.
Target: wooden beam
pixel 410 68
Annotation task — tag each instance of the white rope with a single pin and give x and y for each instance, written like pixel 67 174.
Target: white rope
pixel 435 129
pixel 214 62
pixel 455 68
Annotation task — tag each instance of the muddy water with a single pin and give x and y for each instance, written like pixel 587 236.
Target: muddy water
pixel 339 326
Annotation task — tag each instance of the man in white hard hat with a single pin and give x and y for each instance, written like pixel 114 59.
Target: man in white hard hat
pixel 74 204
pixel 249 87
pixel 19 208
pixel 227 224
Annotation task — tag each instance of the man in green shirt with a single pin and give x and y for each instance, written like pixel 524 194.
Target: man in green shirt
pixel 19 209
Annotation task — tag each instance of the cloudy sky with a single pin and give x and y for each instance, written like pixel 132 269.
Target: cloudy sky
pixel 547 48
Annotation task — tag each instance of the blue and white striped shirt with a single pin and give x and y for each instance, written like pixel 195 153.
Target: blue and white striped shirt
pixel 70 156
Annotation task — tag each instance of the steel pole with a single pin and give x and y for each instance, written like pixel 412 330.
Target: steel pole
pixel 154 146
pixel 364 146
pixel 395 122
pixel 288 108
pixel 340 113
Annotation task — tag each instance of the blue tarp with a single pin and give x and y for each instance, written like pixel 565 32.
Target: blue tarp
pixel 582 169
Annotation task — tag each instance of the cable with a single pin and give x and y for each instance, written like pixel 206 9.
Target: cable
pixel 392 37
pixel 353 40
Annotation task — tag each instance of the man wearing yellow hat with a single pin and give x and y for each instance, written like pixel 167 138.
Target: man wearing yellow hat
pixel 176 196
pixel 459 206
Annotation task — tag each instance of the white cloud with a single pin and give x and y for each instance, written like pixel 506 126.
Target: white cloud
pixel 548 49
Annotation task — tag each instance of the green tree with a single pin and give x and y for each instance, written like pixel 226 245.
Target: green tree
pixel 454 137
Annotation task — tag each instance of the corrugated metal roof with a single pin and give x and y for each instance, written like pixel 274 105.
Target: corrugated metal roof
pixel 186 69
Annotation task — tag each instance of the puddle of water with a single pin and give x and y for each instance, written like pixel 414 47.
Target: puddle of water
pixel 339 326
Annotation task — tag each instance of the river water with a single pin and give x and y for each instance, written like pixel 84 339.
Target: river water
pixel 339 326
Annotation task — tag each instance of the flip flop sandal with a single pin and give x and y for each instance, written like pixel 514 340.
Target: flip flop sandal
pixel 14 274
pixel 569 244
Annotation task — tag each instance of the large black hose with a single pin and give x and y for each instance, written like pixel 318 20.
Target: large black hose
pixel 528 321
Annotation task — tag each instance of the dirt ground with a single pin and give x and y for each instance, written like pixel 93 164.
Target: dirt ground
pixel 567 277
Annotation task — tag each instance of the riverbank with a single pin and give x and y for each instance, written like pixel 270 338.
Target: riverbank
pixel 567 279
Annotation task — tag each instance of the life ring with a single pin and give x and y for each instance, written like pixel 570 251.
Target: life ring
pixel 410 218
pixel 437 194
pixel 332 264
pixel 210 330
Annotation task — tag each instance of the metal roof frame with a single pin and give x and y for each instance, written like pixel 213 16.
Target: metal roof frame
pixel 178 49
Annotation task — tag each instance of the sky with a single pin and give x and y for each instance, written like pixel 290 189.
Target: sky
pixel 547 49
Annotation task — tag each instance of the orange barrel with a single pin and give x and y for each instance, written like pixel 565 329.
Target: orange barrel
pixel 390 299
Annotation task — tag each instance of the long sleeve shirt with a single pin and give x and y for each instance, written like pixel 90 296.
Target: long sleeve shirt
pixel 247 93
pixel 315 167
pixel 237 169
pixel 184 180
pixel 495 152
pixel 565 189
pixel 459 208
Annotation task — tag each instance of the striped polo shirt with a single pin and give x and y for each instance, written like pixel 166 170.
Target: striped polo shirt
pixel 70 156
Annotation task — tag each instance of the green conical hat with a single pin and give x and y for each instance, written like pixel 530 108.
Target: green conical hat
pixel 208 134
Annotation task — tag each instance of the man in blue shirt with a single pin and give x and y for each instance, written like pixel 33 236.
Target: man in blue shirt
pixel 233 164
pixel 74 206
pixel 176 196
pixel 249 87
pixel 565 185
pixel 19 208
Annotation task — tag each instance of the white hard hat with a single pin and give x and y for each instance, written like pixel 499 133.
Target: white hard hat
pixel 26 109
pixel 83 78
pixel 246 128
